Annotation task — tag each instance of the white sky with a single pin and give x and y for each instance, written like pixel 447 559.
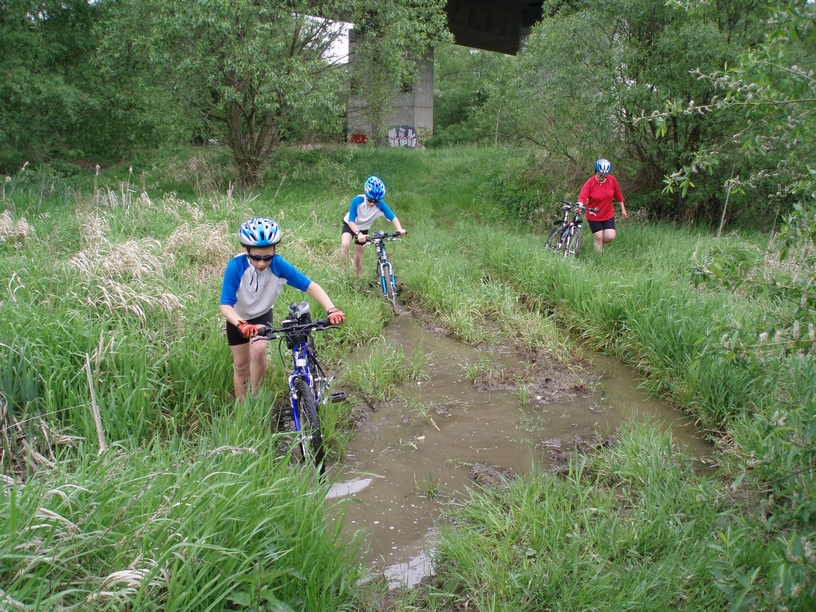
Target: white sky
pixel 340 49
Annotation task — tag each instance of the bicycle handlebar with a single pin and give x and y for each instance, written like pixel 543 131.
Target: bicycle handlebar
pixel 570 206
pixel 272 333
pixel 379 236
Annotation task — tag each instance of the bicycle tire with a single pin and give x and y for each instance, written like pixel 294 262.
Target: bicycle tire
pixel 317 376
pixel 391 286
pixel 383 283
pixel 310 438
pixel 577 241
pixel 552 241
pixel 567 244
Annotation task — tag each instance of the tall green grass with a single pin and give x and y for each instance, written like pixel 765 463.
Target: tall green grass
pixel 123 271
pixel 624 530
pixel 181 524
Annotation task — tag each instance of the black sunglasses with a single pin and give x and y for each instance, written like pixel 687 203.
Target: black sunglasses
pixel 260 257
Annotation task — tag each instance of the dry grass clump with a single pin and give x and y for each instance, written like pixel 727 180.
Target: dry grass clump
pixel 131 581
pixel 133 259
pixel 207 244
pixel 180 209
pixel 134 298
pixel 27 445
pixel 92 228
pixel 14 231
pixel 121 277
pixel 207 175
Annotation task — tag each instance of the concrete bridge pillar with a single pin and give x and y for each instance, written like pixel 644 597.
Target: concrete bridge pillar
pixel 411 111
pixel 491 25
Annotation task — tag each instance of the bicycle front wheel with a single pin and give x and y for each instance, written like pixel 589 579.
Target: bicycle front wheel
pixel 553 240
pixel 568 240
pixel 390 285
pixel 576 241
pixel 310 438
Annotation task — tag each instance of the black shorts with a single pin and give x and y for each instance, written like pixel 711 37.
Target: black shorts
pixel 599 226
pixel 235 338
pixel 347 230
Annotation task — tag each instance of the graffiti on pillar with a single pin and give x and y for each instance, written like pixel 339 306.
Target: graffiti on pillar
pixel 358 139
pixel 403 136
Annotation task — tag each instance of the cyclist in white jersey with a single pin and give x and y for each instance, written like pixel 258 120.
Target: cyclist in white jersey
pixel 252 283
pixel 365 209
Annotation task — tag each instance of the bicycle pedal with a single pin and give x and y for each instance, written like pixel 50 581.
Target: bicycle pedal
pixel 338 396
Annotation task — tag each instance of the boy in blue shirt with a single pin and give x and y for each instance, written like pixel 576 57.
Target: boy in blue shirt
pixel 364 210
pixel 252 283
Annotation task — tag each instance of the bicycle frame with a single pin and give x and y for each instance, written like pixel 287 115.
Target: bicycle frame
pixel 385 270
pixel 307 376
pixel 301 356
pixel 568 230
pixel 568 234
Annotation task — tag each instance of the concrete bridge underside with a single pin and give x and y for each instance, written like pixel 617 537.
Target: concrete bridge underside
pixel 490 25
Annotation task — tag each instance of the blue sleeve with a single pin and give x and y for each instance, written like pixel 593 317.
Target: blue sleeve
pixel 294 277
pixel 385 210
pixel 232 280
pixel 355 203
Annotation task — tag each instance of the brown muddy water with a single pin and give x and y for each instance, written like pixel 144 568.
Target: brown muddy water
pixel 412 457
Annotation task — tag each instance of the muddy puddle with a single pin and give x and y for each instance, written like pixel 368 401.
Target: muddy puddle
pixel 410 458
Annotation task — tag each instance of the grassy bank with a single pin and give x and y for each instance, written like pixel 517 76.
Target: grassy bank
pixel 113 284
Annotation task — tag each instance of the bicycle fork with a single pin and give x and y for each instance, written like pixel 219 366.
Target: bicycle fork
pixel 386 275
pixel 293 394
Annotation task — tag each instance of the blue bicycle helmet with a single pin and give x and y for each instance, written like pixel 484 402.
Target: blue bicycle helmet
pixel 374 189
pixel 259 232
pixel 604 166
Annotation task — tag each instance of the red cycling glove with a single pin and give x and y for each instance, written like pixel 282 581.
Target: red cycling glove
pixel 247 329
pixel 336 316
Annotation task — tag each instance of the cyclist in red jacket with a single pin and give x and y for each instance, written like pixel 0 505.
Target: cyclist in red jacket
pixel 598 192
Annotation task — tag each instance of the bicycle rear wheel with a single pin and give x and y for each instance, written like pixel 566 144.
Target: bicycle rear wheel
pixel 310 438
pixel 553 240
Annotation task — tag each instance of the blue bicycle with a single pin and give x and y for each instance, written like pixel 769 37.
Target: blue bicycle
pixel 385 271
pixel 308 382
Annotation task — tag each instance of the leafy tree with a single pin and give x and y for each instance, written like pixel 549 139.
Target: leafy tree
pixel 591 69
pixel 461 80
pixel 254 72
pixel 54 102
pixel 257 73
pixel 43 45
pixel 773 88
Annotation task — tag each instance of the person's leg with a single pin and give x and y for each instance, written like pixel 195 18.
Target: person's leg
pixel 358 259
pixel 597 228
pixel 599 240
pixel 345 244
pixel 257 364
pixel 608 235
pixel 240 364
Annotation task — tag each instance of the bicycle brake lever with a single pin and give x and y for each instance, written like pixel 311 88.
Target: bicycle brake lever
pixel 263 334
pixel 324 324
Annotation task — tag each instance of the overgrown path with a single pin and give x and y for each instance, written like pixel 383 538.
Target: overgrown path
pixel 473 417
